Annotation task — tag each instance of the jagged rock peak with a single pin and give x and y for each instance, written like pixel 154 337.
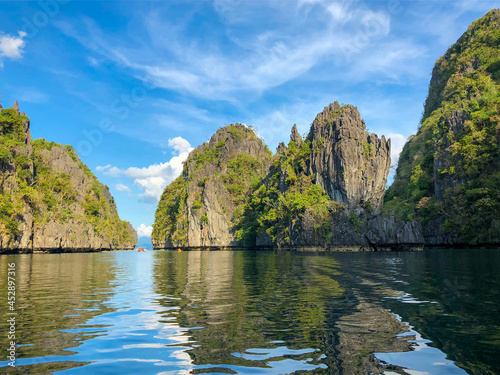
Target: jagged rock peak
pixel 281 148
pixel 349 163
pixel 232 140
pixel 336 111
pixel 15 106
pixel 295 136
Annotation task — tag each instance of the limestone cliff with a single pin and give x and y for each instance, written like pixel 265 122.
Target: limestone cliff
pixel 448 176
pixel 200 207
pixel 324 191
pixel 351 165
pixel 49 200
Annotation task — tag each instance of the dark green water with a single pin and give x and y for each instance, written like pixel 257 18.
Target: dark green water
pixel 431 312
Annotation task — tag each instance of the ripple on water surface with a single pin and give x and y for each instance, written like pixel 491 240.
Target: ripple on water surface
pixel 250 313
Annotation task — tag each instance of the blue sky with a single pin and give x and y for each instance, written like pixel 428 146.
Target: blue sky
pixel 133 86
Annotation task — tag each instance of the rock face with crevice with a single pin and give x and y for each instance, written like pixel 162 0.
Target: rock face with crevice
pixel 322 192
pixel 199 209
pixel 49 200
pixel 350 164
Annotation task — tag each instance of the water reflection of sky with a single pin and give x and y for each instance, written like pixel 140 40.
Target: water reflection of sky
pixel 148 328
pixel 132 339
pixel 422 360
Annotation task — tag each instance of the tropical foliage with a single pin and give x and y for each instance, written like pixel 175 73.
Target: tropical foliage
pixel 43 192
pixel 451 168
pixel 276 212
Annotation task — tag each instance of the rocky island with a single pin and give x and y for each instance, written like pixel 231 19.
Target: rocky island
pixel 327 191
pixel 321 192
pixel 324 190
pixel 49 200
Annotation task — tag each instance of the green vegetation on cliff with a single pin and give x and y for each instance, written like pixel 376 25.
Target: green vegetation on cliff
pixel 233 192
pixel 273 212
pixel 169 214
pixel 217 177
pixel 329 188
pixel 12 159
pixel 12 132
pixel 35 192
pixel 253 196
pixel 449 172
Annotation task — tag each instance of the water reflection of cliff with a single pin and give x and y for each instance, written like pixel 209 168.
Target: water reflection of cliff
pixel 54 293
pixel 459 298
pixel 275 311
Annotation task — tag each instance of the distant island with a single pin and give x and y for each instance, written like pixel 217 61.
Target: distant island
pixel 327 191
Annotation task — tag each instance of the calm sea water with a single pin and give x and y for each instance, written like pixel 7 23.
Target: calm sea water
pixel 431 312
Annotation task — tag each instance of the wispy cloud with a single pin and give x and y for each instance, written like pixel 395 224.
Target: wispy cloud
pixel 257 60
pixel 29 95
pixel 121 187
pixel 93 61
pixel 442 22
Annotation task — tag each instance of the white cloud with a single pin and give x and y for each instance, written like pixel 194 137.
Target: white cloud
pixel 180 145
pixel 102 168
pixel 12 46
pixel 144 231
pixel 121 187
pixel 161 169
pixel 153 186
pixel 153 179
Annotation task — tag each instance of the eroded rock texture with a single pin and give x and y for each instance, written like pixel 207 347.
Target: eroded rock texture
pixel 350 164
pixel 199 208
pixel 51 201
pixel 448 172
pixel 322 192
